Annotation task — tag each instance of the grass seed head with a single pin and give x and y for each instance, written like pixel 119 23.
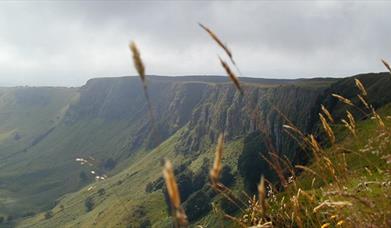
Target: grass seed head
pixel 327 113
pixel 360 87
pixel 386 65
pixel 215 172
pixel 218 41
pixel 365 103
pixel 351 119
pixel 137 61
pixel 343 99
pixel 231 75
pixel 172 187
pixel 327 128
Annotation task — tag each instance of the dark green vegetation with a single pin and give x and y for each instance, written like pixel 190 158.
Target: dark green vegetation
pixel 43 131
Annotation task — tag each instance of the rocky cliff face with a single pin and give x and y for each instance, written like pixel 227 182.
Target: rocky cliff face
pixel 223 109
pixel 206 107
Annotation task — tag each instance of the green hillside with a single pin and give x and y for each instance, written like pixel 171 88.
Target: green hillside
pixel 106 122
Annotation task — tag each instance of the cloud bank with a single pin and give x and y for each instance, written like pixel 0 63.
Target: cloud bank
pixel 66 43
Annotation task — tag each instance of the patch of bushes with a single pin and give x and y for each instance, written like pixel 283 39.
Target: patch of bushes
pixel 197 205
pixel 201 177
pixel 154 185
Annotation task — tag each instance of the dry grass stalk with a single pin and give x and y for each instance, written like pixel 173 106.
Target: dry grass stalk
pixel 215 172
pixel 386 65
pixel 350 195
pixel 365 103
pixel 296 210
pixel 349 127
pixel 327 128
pixel 360 87
pixel 218 41
pixel 234 219
pixel 351 119
pixel 334 204
pixel 173 193
pixel 293 128
pixel 231 75
pixel 327 113
pixel 378 118
pixel 330 166
pixel 262 195
pixel 138 63
pixel 276 166
pixel 305 168
pixel 297 135
pixel 343 99
pixel 316 149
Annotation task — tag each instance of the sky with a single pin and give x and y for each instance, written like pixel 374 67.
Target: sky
pixel 65 43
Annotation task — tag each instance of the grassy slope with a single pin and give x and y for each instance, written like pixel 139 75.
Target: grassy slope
pixel 370 202
pixel 26 114
pixel 125 191
pixel 78 137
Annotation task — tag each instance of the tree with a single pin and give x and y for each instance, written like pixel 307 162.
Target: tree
pixel 251 165
pixel 227 178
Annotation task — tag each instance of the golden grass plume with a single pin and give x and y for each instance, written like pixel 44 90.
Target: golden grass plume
pixel 137 61
pixel 218 41
pixel 327 113
pixel 327 128
pixel 386 65
pixel 215 172
pixel 343 99
pixel 360 87
pixel 365 103
pixel 231 75
pixel 173 193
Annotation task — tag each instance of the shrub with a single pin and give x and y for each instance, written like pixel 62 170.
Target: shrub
pixel 89 204
pixel 101 192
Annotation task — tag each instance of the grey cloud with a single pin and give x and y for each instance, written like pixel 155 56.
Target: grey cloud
pixel 66 43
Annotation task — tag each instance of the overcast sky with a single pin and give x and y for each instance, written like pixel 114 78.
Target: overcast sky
pixel 66 43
